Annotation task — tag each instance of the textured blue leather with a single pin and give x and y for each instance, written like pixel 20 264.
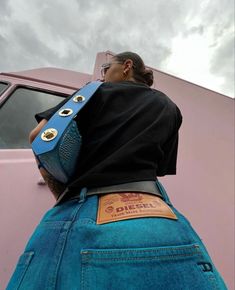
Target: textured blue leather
pixel 61 161
pixel 60 155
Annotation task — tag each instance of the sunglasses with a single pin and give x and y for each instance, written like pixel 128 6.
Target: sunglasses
pixel 106 66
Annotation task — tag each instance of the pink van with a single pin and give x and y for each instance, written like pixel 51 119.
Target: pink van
pixel 202 189
pixel 24 196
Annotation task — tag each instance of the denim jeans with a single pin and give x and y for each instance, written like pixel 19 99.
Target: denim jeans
pixel 68 250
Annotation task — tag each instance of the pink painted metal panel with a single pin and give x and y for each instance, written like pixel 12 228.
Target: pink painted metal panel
pixel 24 197
pixel 66 78
pixel 23 200
pixel 203 189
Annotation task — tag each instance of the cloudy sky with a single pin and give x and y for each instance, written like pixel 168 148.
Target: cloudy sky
pixel 193 40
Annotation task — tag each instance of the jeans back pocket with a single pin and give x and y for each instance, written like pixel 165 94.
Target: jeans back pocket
pixel 171 267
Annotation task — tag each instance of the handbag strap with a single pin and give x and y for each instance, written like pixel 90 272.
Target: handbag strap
pixel 50 134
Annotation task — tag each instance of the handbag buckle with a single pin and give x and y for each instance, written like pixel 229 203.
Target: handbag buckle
pixel 49 134
pixel 65 112
pixel 79 99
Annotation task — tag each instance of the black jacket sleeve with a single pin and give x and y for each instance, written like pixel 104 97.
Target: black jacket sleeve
pixel 50 112
pixel 170 148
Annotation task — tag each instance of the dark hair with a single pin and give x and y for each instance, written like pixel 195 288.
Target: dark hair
pixel 140 73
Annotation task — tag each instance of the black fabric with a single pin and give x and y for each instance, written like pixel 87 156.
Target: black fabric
pixel 129 133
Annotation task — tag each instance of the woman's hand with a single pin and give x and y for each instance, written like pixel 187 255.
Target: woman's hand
pixel 54 185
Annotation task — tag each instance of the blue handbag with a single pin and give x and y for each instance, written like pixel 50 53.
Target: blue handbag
pixel 58 144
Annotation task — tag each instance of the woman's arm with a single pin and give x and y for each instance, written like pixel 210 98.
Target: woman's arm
pixel 54 185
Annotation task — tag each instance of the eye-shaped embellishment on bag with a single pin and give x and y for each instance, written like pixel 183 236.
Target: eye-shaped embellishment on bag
pixel 49 134
pixel 65 112
pixel 79 99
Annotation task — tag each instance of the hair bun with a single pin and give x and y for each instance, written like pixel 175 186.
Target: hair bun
pixel 140 73
pixel 148 76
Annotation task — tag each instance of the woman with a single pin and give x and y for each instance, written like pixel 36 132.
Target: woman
pixel 113 225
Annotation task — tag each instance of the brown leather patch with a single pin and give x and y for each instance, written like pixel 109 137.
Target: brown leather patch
pixel 128 205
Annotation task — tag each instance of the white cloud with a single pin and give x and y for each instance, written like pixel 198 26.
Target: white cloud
pixel 190 59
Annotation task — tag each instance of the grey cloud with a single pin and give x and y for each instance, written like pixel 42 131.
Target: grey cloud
pixel 86 28
pixel 195 29
pixel 69 34
pixel 223 65
pixel 221 19
pixel 5 9
pixel 4 57
pixel 27 50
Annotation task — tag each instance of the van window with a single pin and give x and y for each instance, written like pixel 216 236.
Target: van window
pixel 3 86
pixel 17 115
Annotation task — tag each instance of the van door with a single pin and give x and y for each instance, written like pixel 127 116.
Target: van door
pixel 24 196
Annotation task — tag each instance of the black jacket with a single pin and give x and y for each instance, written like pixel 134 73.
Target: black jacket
pixel 129 133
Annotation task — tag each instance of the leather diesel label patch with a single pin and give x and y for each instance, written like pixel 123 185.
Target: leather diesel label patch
pixel 128 205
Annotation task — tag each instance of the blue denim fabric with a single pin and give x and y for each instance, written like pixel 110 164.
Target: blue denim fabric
pixel 69 251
